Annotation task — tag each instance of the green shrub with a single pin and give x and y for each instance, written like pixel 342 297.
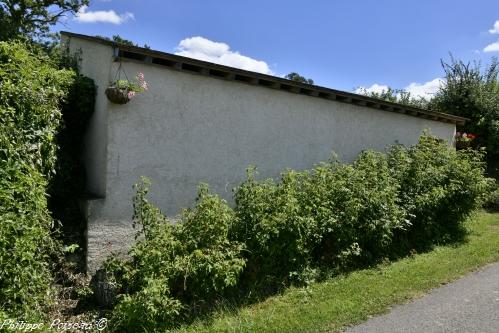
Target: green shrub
pixel 356 210
pixel 333 217
pixel 177 268
pixel 335 214
pixel 492 202
pixel 276 233
pixel 148 309
pixel 30 92
pixel 439 188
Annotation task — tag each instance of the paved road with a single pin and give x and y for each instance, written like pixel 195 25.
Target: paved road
pixel 468 305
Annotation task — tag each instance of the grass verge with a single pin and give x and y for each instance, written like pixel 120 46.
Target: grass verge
pixel 345 300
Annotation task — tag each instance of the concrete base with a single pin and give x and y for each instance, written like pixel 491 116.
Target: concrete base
pixel 105 236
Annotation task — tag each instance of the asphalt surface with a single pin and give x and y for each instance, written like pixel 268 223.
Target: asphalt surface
pixel 469 305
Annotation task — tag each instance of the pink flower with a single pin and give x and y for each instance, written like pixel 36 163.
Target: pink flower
pixel 131 94
pixel 142 82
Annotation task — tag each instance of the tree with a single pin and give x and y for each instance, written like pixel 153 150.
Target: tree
pixel 298 78
pixel 473 92
pixel 33 18
pixel 120 40
pixel 399 96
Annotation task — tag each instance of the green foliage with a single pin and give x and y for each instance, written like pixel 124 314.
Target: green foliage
pixel 439 189
pixel 335 215
pixel 31 18
pixel 128 86
pixel 177 267
pixel 473 92
pixel 152 307
pixel 120 40
pixel 357 210
pixel 348 299
pixel 492 202
pixel 298 78
pixel 30 93
pixel 270 223
pixel 331 218
pixel 399 96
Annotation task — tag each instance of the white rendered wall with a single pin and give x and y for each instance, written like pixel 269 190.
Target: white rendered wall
pixel 190 128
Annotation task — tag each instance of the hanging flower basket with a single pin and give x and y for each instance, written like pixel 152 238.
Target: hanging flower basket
pixel 464 140
pixel 117 95
pixel 122 91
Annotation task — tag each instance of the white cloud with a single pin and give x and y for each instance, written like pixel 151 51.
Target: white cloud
pixel 417 90
pixel 220 53
pixel 102 16
pixel 494 47
pixel 495 29
pixel 425 90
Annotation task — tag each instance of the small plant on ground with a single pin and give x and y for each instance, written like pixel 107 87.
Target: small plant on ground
pixel 177 268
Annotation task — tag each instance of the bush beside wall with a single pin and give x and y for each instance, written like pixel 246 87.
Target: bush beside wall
pixel 438 189
pixel 177 267
pixel 30 92
pixel 331 218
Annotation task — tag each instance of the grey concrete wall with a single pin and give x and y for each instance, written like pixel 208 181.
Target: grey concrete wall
pixel 95 62
pixel 189 128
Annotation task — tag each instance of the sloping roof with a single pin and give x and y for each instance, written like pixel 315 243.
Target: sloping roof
pixel 195 66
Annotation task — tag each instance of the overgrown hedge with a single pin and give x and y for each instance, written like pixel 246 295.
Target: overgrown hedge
pixel 30 92
pixel 331 218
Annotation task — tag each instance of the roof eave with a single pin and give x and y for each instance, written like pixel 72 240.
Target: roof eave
pixel 207 68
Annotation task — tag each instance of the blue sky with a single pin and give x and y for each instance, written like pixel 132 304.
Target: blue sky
pixel 339 44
